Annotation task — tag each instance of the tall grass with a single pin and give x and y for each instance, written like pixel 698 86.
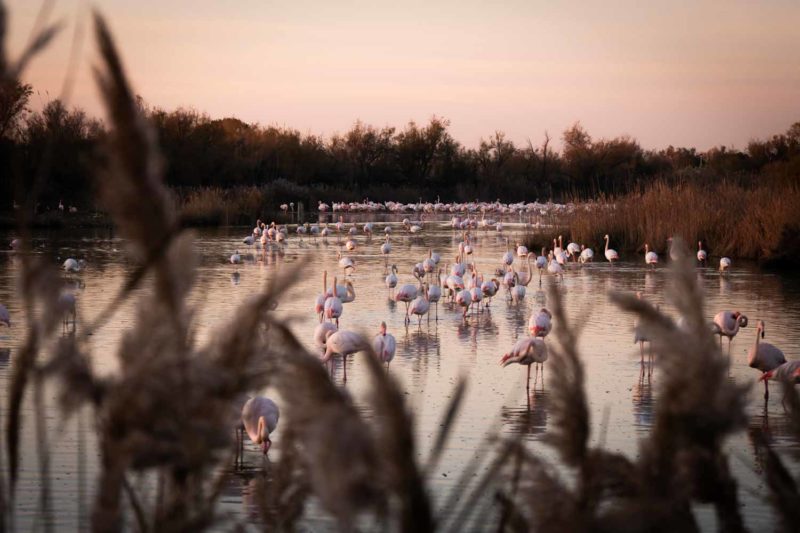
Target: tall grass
pixel 168 412
pixel 731 219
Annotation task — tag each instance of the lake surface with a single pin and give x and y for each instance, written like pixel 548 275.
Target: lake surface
pixel 430 359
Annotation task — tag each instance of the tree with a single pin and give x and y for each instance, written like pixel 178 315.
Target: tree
pixel 14 97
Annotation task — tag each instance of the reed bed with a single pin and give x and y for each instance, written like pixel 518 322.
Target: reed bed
pixel 168 413
pixel 732 220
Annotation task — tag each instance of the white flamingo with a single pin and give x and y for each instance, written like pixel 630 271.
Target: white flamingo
pixel 435 293
pixel 527 351
pixel 236 258
pixel 384 345
pixel 587 255
pixel 650 258
pixel 574 249
pixel 764 356
pixel 260 418
pixel 73 265
pixel 386 248
pixel 611 254
pixel 554 268
pixel 724 264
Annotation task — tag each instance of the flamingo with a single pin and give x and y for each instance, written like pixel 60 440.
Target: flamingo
pixel 419 306
pixel 489 289
pixel 322 332
pixel 541 264
pixel 541 323
pixel 406 294
pixel 350 293
pixel 611 254
pixel 260 418
pixel 249 240
pixel 343 343
pixel 391 279
pixel 702 255
pixel 526 352
pixel 650 258
pixel 386 248
pixel 346 263
pixel 574 249
pixel 508 257
pixel 464 299
pixel 429 265
pixel 350 245
pixel 333 307
pixel 522 250
pixel 66 304
pixel 524 276
pixel 764 356
pixel 724 264
pixel 554 268
pixel 236 258
pixel 788 372
pixel 435 294
pixel 5 317
pixel 587 255
pixel 518 293
pixel 639 335
pixel 727 324
pixel 384 345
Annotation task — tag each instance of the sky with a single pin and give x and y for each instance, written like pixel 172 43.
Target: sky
pixel 685 73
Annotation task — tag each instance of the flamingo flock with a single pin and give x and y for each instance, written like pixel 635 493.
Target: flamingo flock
pixel 464 284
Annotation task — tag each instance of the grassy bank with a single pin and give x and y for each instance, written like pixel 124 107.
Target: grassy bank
pixel 732 220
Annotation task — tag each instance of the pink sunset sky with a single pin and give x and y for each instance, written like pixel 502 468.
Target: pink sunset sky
pixel 686 73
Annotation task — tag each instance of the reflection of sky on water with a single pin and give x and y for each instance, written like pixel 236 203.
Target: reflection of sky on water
pixel 433 356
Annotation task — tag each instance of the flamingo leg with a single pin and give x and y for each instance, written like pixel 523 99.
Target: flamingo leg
pixel 344 367
pixel 641 352
pixel 528 382
pixel 766 389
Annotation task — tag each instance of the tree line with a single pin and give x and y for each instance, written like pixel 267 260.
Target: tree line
pixel 58 148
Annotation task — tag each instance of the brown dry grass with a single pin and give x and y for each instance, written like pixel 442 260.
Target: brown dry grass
pixel 730 219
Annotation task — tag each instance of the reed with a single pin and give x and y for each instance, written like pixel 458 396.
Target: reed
pixel 731 219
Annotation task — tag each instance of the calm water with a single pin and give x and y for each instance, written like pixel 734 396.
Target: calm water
pixel 429 359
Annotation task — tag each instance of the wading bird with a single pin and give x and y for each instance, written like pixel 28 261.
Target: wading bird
pixel 727 324
pixel 384 345
pixel 526 352
pixel 611 254
pixel 764 356
pixel 260 418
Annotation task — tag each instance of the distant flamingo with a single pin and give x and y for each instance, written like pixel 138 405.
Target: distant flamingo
pixel 587 255
pixel 346 263
pixel 343 343
pixel 727 324
pixel 541 323
pixel 435 293
pixel 391 279
pixel 702 255
pixel 260 418
pixel 650 258
pixel 527 351
pixel 236 258
pixel 406 294
pixel 419 306
pixel 611 254
pixel 384 345
pixel 724 264
pixel 322 332
pixel 764 356
pixel 333 307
